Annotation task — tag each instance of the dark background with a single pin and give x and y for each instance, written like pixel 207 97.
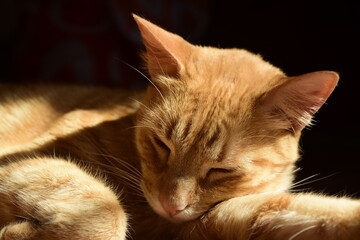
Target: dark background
pixel 297 36
pixel 300 37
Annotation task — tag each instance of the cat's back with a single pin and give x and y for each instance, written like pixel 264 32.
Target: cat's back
pixel 35 114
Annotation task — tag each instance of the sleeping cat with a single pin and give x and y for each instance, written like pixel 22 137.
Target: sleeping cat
pixel 207 152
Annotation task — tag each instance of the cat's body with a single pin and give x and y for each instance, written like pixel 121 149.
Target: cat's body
pixel 212 145
pixel 86 124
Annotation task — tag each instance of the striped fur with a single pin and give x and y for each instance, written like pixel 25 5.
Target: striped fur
pixel 208 152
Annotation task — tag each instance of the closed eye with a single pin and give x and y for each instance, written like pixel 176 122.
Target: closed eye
pixel 162 150
pixel 217 176
pixel 161 144
pixel 213 171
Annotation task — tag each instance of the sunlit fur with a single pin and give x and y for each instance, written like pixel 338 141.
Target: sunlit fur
pixel 208 119
pixel 207 152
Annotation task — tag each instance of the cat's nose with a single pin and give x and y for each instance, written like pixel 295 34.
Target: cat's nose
pixel 172 208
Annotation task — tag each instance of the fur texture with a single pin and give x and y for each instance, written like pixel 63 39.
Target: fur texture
pixel 208 152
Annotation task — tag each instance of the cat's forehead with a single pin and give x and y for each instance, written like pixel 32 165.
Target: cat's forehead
pixel 215 95
pixel 222 82
pixel 195 126
pixel 219 97
pixel 230 69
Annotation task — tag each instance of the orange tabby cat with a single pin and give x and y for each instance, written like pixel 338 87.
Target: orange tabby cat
pixel 208 153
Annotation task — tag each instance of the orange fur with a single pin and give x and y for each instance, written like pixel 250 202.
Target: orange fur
pixel 211 146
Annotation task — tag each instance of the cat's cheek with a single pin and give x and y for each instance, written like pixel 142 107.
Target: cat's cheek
pixel 153 200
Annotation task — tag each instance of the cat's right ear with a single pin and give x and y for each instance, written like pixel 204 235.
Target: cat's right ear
pixel 166 52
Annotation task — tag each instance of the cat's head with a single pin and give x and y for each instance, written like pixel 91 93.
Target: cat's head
pixel 218 123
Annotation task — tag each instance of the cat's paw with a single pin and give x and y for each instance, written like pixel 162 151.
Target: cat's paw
pixel 30 230
pixel 18 231
pixel 54 199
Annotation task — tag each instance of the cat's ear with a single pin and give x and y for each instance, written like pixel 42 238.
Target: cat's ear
pixel 299 98
pixel 165 51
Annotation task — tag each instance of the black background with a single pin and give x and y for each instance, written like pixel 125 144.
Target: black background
pixel 298 37
pixel 301 37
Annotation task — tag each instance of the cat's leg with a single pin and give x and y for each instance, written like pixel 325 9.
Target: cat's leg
pixel 280 216
pixel 54 199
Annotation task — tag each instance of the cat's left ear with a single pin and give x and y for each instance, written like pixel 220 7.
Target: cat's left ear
pixel 166 52
pixel 299 98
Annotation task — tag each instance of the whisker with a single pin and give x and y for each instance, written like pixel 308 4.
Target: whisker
pixel 124 163
pixel 125 171
pixel 301 231
pixel 131 175
pixel 315 180
pixel 132 182
pixel 296 170
pixel 142 74
pixel 139 102
pixel 299 190
pixel 303 180
pixel 102 150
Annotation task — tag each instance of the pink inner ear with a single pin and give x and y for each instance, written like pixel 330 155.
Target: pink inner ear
pixel 160 62
pixel 319 84
pixel 165 50
pixel 302 96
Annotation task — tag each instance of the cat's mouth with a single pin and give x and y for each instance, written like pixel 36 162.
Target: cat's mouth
pixel 180 217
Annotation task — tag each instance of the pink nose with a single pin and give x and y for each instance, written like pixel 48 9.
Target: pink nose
pixel 172 208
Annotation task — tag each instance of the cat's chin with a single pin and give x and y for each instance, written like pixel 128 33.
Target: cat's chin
pixel 180 217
